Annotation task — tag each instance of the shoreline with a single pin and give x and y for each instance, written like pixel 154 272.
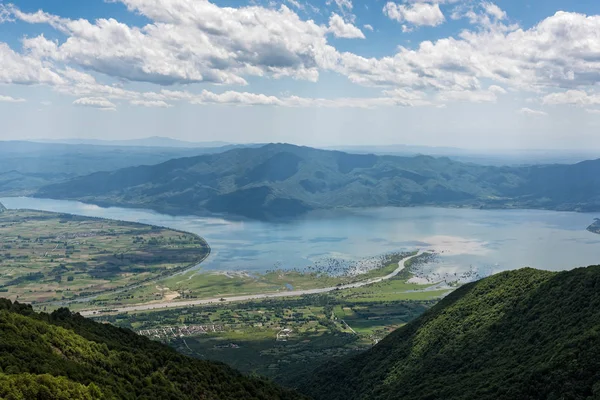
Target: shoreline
pixel 293 293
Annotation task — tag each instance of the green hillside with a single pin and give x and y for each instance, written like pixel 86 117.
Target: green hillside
pixel 280 180
pixel 525 334
pixel 65 356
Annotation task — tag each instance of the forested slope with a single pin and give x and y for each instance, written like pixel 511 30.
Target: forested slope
pixel 65 356
pixel 525 334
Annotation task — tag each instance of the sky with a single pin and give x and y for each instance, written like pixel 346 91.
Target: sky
pixel 509 74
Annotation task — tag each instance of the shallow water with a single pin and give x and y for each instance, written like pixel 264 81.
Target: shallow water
pixel 487 241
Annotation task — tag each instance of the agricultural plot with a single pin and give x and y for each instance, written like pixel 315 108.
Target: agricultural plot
pixel 48 256
pixel 278 338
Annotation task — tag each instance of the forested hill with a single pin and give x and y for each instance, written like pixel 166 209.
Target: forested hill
pixel 67 357
pixel 525 334
pixel 284 180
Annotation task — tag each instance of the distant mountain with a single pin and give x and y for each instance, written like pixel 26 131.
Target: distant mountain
pixel 2 208
pixel 154 141
pixel 513 157
pixel 525 334
pixel 65 356
pixel 26 166
pixel 595 226
pixel 281 180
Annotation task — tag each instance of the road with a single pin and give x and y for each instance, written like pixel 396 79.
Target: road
pixel 292 293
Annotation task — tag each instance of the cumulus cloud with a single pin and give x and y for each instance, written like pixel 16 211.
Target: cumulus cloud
pixel 532 113
pixel 191 41
pixel 368 27
pixel 420 14
pixel 96 102
pixel 24 69
pixel 343 29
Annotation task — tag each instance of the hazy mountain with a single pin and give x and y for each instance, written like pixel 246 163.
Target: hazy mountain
pixel 525 334
pixel 154 141
pixel 26 166
pixel 2 208
pixel 65 356
pixel 514 157
pixel 279 180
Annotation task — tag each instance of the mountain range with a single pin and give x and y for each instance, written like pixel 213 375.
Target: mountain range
pixel 26 166
pixel 282 180
pixel 525 334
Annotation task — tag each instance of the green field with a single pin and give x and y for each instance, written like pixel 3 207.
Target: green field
pixel 48 256
pixel 321 327
pixel 203 285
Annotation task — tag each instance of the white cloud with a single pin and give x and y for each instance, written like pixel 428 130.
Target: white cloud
pixel 368 27
pixel 475 96
pixel 493 10
pixel 342 29
pixel 24 69
pixel 9 99
pixel 534 113
pixel 497 89
pixel 573 97
pixel 343 5
pixel 96 102
pixel 592 111
pixel 191 41
pixel 296 4
pixel 197 41
pixel 151 103
pixel 420 14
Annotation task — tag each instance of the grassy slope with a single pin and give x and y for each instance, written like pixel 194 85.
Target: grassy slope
pixel 524 334
pixel 71 357
pixel 283 180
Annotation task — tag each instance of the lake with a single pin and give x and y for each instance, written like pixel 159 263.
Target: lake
pixel 486 241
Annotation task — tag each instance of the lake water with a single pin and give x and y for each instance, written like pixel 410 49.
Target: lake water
pixel 486 241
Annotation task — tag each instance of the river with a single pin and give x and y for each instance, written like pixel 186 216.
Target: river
pixel 486 241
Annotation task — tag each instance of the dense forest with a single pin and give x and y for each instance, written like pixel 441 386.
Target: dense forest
pixel 281 180
pixel 65 356
pixel 524 334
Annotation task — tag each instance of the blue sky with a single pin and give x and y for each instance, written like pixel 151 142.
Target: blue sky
pixel 464 73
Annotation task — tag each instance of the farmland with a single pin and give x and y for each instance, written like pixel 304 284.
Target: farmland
pixel 49 257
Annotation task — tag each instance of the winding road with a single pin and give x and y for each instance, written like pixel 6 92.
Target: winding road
pixel 291 293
